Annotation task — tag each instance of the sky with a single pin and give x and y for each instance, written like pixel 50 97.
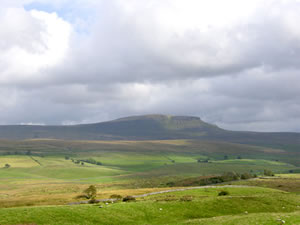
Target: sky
pixel 233 63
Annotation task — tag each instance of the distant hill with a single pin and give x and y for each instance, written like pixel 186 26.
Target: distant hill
pixel 132 128
pixel 150 127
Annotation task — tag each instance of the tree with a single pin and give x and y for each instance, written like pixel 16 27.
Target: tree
pixel 7 166
pixel 268 173
pixel 91 192
pixel 229 176
pixel 67 157
pixel 246 176
pixel 225 157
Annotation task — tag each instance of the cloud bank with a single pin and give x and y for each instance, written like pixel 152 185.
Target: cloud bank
pixel 233 63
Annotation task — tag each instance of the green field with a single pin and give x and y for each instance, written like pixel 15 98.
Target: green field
pixel 45 175
pixel 54 180
pixel 241 206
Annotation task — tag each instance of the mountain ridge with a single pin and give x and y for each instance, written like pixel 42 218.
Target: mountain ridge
pixel 148 127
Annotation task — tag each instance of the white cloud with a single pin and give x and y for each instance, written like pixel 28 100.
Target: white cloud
pixel 31 41
pixel 234 63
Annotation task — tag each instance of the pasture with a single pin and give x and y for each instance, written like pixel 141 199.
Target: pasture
pixel 203 206
pixel 44 176
pixel 52 180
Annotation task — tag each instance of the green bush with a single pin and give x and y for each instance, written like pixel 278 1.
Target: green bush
pixel 114 196
pixel 222 193
pixel 7 166
pixel 246 176
pixel 230 176
pixel 91 161
pixel 93 201
pixel 268 173
pixel 128 199
pixel 171 184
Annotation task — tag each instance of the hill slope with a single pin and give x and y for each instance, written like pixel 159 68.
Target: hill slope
pixel 150 127
pixel 133 128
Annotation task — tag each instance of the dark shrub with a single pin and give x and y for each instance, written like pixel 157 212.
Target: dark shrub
pixel 222 193
pixel 171 184
pixel 215 180
pixel 128 199
pixel 114 196
pixel 7 166
pixel 93 201
pixel 229 176
pixel 246 176
pixel 202 161
pixel 268 173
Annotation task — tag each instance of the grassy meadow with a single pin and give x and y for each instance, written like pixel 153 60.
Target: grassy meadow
pixel 251 205
pixel 44 176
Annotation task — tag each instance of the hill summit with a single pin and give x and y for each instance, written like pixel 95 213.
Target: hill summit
pixel 148 127
pixel 169 122
pixel 154 126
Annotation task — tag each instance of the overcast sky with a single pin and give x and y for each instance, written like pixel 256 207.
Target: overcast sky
pixel 233 63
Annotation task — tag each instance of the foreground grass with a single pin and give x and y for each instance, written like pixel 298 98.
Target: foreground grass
pixel 249 219
pixel 242 205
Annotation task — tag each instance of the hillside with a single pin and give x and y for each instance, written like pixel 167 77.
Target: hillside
pixel 131 128
pixel 150 127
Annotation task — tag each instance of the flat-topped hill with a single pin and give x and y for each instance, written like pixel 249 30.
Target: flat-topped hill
pixel 150 127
